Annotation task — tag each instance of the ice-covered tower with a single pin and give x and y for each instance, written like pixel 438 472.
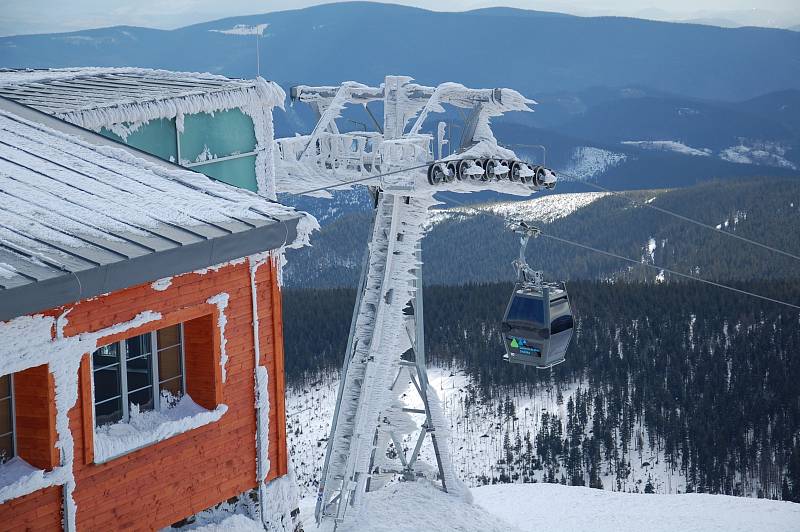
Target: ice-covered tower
pixel 385 354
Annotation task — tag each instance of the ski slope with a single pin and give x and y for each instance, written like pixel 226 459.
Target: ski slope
pixel 419 506
pixel 537 507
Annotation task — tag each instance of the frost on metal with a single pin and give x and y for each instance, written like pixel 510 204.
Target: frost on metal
pixel 374 362
pixel 30 341
pixel 327 157
pixel 385 321
pixel 442 424
pixel 221 301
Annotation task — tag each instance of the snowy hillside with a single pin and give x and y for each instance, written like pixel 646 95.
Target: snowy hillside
pixel 763 153
pixel 482 432
pixel 541 209
pixel 589 162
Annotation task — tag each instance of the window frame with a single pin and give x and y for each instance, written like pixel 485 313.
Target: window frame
pixel 155 381
pixel 12 407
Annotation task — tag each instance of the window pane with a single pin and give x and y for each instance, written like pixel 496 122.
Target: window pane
pixel 5 416
pixel 169 336
pixel 174 387
pixel 137 346
pixel 139 373
pixel 106 355
pixel 106 383
pixel 169 363
pixel 143 398
pixel 526 309
pixel 108 412
pixel 5 389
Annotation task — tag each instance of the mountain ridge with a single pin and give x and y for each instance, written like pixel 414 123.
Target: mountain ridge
pixel 535 52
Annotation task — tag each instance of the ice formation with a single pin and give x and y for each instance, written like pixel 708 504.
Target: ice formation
pixel 221 301
pixel 184 198
pixel 327 157
pixel 137 106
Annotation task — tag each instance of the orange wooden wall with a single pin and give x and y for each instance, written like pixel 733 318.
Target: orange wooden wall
pixel 165 482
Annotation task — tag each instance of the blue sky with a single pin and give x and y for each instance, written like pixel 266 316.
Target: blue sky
pixel 45 16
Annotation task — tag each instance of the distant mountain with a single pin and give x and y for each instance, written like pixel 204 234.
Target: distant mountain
pixel 694 122
pixel 532 51
pixel 782 107
pixel 669 137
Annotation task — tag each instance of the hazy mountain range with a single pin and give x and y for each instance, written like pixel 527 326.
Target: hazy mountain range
pixel 533 51
pixel 629 102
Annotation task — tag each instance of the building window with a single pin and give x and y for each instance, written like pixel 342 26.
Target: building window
pixel 138 373
pixel 7 443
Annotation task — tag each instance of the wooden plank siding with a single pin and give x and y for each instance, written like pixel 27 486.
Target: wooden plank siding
pixel 162 483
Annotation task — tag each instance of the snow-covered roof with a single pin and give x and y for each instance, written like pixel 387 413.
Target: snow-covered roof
pixel 93 97
pixel 82 215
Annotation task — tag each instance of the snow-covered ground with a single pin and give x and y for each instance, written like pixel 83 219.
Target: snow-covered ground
pixel 418 506
pixel 477 433
pixel 764 153
pixel 751 152
pixel 477 444
pixel 551 507
pixel 589 162
pixel 668 145
pixel 541 209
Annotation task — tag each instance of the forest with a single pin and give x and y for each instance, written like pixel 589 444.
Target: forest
pixel 708 375
pixel 766 210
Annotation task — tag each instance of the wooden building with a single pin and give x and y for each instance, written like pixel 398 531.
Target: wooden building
pixel 141 359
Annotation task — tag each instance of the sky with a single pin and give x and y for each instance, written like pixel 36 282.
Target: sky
pixel 47 16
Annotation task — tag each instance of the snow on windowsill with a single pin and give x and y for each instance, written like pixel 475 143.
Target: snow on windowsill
pixel 18 478
pixel 147 428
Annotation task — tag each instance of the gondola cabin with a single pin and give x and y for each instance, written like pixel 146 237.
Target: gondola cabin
pixel 537 326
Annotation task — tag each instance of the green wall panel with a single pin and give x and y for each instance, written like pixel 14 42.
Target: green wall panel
pixel 237 172
pixel 156 137
pixel 223 133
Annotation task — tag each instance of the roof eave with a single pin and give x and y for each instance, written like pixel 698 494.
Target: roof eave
pixel 69 288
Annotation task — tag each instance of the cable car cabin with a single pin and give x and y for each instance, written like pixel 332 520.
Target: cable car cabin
pixel 537 326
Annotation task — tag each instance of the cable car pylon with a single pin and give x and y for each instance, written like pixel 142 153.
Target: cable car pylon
pixel 385 355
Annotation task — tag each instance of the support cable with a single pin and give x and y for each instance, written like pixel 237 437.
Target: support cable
pixel 652 266
pixel 590 248
pixel 684 218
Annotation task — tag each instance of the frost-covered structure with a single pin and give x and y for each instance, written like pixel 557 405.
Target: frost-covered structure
pixel 141 359
pixel 219 126
pixel 386 350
